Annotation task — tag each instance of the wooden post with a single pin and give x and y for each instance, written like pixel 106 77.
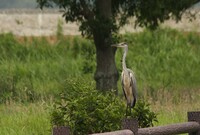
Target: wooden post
pixel 194 116
pixel 131 124
pixel 61 130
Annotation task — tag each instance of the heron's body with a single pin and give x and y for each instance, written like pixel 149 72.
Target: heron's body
pixel 129 87
pixel 128 80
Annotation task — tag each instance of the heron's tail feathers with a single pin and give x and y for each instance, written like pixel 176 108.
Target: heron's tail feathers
pixel 133 103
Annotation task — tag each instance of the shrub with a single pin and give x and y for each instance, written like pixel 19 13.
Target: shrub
pixel 145 116
pixel 87 110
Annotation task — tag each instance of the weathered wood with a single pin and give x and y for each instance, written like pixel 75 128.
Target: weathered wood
pixel 130 127
pixel 61 130
pixel 131 124
pixel 194 116
pixel 120 132
pixel 179 128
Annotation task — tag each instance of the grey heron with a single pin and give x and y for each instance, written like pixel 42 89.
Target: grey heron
pixel 128 80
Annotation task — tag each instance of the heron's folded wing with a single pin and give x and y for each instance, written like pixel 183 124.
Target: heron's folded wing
pixel 122 82
pixel 133 82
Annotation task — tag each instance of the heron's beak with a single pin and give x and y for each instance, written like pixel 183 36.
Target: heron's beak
pixel 118 45
pixel 114 45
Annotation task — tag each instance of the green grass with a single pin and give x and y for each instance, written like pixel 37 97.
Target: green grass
pixel 24 119
pixel 36 69
pixel 166 63
pixel 170 113
pixel 165 58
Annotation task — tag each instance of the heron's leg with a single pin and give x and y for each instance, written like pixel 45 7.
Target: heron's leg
pixel 126 110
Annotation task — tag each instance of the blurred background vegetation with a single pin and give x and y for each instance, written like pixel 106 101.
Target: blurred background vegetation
pixel 47 81
pixel 34 71
pixel 163 60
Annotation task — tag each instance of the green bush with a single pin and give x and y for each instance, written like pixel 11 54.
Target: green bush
pixel 87 110
pixel 145 116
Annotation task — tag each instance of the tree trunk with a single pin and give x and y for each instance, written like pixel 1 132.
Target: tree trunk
pixel 106 75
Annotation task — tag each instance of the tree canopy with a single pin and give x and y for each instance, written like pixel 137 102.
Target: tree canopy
pixel 148 13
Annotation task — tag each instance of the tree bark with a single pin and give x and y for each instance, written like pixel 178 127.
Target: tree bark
pixel 106 75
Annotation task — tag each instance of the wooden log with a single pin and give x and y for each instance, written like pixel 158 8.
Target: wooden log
pixel 179 128
pixel 120 132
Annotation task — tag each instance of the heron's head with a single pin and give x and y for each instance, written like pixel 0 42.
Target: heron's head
pixel 123 44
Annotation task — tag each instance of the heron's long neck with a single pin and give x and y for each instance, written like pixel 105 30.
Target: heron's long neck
pixel 124 58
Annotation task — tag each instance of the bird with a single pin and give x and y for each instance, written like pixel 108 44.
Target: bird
pixel 128 80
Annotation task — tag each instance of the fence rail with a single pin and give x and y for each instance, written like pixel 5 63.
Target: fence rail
pixel 187 127
pixel 130 127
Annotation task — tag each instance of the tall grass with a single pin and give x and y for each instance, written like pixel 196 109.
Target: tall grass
pixel 24 119
pixel 162 60
pixel 32 70
pixel 165 60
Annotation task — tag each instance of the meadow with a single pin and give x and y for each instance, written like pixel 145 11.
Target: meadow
pixel 33 72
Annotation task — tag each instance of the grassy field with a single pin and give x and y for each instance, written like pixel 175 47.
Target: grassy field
pixel 24 119
pixel 33 71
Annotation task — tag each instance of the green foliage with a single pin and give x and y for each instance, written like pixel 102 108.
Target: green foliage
pixel 12 90
pixel 86 51
pixel 7 90
pixel 80 105
pixel 145 116
pixel 87 110
pixel 165 62
pixel 151 13
pixel 25 66
pixel 8 45
pixel 91 13
pixel 76 46
pixel 24 119
pixel 162 60
pixel 101 19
